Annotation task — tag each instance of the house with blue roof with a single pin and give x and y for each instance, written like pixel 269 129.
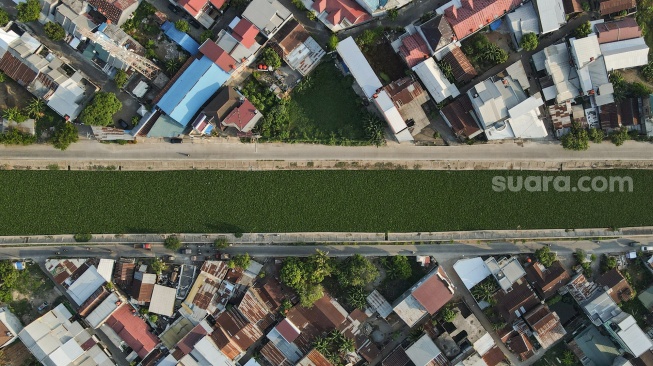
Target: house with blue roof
pixel 180 38
pixel 192 89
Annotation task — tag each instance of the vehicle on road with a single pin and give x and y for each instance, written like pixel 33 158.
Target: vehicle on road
pixel 57 253
pixel 176 140
pixel 222 256
pixel 186 251
pixel 634 243
pixel 147 246
pixel 194 258
pixel 194 23
pixel 173 8
pixel 647 249
pixel 170 258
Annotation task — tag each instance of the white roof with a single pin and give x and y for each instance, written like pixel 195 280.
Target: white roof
pixel 523 20
pixel 517 72
pixel 105 268
pixel 252 362
pixel 266 15
pixel 85 285
pixel 358 66
pixel 625 54
pixel 168 361
pixel 410 310
pixel 436 83
pixel 163 300
pixel 10 321
pixel 208 353
pixel 528 126
pixel 65 354
pixel 601 308
pixel 484 344
pixel 585 50
pixel 390 112
pixel 550 92
pixel 552 14
pixel 525 107
pixel 379 303
pixel 471 271
pixel 6 38
pixel 423 351
pixel 103 311
pixel 64 100
pixel 473 360
pixel 556 62
pixel 632 335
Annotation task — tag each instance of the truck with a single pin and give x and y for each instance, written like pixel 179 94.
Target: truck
pixel 147 246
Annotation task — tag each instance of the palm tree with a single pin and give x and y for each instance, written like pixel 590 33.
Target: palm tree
pixel 447 71
pixel 35 108
pixel 484 291
pixel 172 65
pixel 346 345
pixel 11 114
pixel 321 344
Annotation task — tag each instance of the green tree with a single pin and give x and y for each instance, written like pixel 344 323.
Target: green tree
pixel 356 271
pixel 64 135
pixel 28 11
pixel 4 17
pixel 545 256
pixel 292 272
pixel 182 26
pixel 311 15
pixel 306 275
pixel 638 89
pixel 577 139
pixel 607 263
pixel 484 291
pixel 374 129
pixel 448 313
pixel 153 318
pixel 54 31
pixel 356 297
pixel 3 77
pixel 399 268
pixel 369 37
pixel 16 137
pixel 619 136
pixel 596 135
pixel 8 280
pixel 101 110
pixel 568 358
pixel 120 78
pixel 333 42
pixel 276 122
pixel 393 13
pixel 172 65
pixel 447 70
pixel 35 108
pixel 221 243
pixel 207 34
pixel 240 261
pixel 310 294
pixel 529 41
pixel 158 266
pixel 585 6
pixel 270 57
pixel 172 243
pixel 647 72
pixel 580 256
pixel 583 30
pixel 318 266
pixel 14 114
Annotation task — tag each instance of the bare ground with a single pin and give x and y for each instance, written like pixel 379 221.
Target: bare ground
pixel 13 95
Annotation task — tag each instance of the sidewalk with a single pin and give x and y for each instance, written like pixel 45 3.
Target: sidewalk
pixel 337 237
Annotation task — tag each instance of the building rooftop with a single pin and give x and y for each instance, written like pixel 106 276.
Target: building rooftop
pixel 618 30
pixel 546 325
pixel 436 32
pixel 342 9
pixel 434 80
pixel 132 330
pixel 245 32
pixel 314 358
pixel 613 6
pixel 143 286
pixel 462 69
pixel 219 56
pixel 267 15
pixel 379 303
pixel 424 351
pixel 10 326
pixel 425 297
pixel 625 54
pixel 85 285
pixel 547 281
pixel 601 308
pixel 413 49
pixel 592 346
pixel 523 20
pixel 515 303
pixel 632 336
pixel 506 271
pixel 182 39
pixel 473 15
pixel 163 300
pixel 552 14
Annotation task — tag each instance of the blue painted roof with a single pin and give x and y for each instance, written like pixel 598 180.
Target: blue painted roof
pixel 193 88
pixel 180 38
pixel 495 24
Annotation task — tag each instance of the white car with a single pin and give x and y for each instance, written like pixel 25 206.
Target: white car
pixel 647 249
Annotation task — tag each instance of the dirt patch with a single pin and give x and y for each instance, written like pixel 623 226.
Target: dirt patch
pixel 632 75
pixel 16 354
pixel 34 289
pixel 13 95
pixel 385 61
pixel 501 40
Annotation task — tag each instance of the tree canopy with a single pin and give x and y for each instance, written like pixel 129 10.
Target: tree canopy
pixel 101 110
pixel 120 78
pixel 4 17
pixel 54 31
pixel 577 139
pixel 398 267
pixel 333 42
pixel 8 280
pixel 182 26
pixel 356 271
pixel 270 58
pixel 529 41
pixel 172 243
pixel 64 135
pixel 240 261
pixel 306 275
pixel 28 11
pixel 583 30
pixel 545 256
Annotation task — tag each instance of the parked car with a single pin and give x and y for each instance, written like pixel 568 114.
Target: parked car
pixel 647 249
pixel 186 251
pixel 634 243
pixel 173 8
pixel 123 124
pixel 176 140
pixel 42 306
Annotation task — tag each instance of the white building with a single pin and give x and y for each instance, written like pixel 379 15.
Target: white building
pixel 267 15
pixel 521 21
pixel 85 285
pixel 434 80
pixel 163 300
pixel 552 15
pixel 372 87
pixel 10 326
pixel 625 54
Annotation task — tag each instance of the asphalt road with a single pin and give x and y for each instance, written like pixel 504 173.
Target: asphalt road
pixel 160 151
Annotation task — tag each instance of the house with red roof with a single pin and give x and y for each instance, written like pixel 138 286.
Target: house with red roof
pixel 204 11
pixel 473 15
pixel 132 330
pixel 413 49
pixel 116 11
pixel 427 296
pixel 338 14
pixel 241 40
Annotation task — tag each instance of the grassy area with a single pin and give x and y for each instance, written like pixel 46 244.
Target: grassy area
pixel 51 202
pixel 645 20
pixel 49 119
pixel 392 289
pixel 554 355
pixel 33 280
pixel 635 308
pixel 327 107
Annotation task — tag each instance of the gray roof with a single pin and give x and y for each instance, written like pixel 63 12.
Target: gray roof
pixel 523 20
pixel 267 15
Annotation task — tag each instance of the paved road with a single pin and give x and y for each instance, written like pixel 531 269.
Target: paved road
pixel 528 151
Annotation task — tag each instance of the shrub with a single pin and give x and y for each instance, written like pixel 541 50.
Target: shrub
pixel 333 42
pixel 4 17
pixel 545 256
pixel 619 137
pixel 529 42
pixel 83 238
pixel 270 58
pixel 596 135
pixel 101 110
pixel 15 137
pixel 583 30
pixel 393 13
pixel 207 34
pixel 64 135
pixel 182 26
pixel 577 139
pixel 28 11
pixel 120 78
pixel 310 15
pixel 54 31
pixel 298 4
pixel 221 243
pixel 585 6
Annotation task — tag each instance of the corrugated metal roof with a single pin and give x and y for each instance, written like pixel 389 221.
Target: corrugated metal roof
pixel 619 30
pixel 359 67
pixel 475 14
pixel 181 38
pixel 523 20
pixel 85 285
pixel 552 14
pixel 163 300
pixel 434 80
pixel 625 54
